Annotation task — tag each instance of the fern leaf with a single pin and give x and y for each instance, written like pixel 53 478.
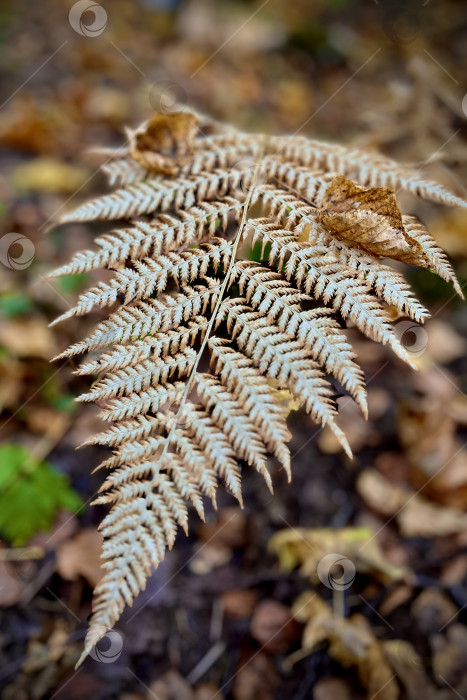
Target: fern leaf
pixel 142 402
pixel 388 285
pixel 249 386
pixel 125 430
pixel 160 345
pixel 271 295
pixel 179 434
pixel 152 195
pixel 131 323
pixel 164 234
pixel 366 168
pixel 283 359
pixel 231 418
pixel 146 374
pixel 206 435
pixel 149 276
pixel 123 171
pixel 318 271
pixel 437 260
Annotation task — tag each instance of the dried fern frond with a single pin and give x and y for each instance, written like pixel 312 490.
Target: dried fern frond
pixel 182 286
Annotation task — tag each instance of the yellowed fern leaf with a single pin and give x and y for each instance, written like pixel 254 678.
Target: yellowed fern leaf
pixel 160 236
pixel 179 434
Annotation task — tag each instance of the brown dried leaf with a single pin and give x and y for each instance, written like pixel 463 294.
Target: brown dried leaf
pixel 394 598
pixel 331 689
pixel 11 589
pixel 415 515
pixel 81 557
pixel 207 691
pixel 239 604
pixel 208 557
pixel 273 626
pixel 307 547
pixel 256 678
pixel 165 142
pixel 428 430
pixel 369 218
pixel 351 643
pixel 433 610
pixel 409 668
pixel 27 337
pixel 229 529
pixel 171 686
pixel 48 421
pixel 55 648
pixel 449 654
pixel 444 344
pixel 455 571
pixel 358 431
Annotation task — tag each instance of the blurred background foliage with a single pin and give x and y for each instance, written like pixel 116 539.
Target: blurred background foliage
pixel 380 75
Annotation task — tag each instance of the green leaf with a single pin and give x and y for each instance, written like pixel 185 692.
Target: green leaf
pixel 12 304
pixel 53 394
pixel 65 403
pixel 70 284
pixel 31 492
pixel 256 253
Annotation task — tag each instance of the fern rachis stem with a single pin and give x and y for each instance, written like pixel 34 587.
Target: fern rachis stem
pixel 235 244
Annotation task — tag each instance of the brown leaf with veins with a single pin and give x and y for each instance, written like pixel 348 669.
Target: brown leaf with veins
pixel 370 219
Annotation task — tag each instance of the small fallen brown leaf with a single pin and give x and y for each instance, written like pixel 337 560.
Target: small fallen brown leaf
pixel 230 528
pixel 449 654
pixel 273 626
pixel 239 604
pixel 331 689
pixel 208 557
pixel 445 344
pixel 256 678
pixel 306 547
pixel 49 657
pixel 11 589
pixel 358 431
pixel 164 142
pixel 12 373
pixel 48 421
pixel 427 428
pixel 171 686
pixel 394 598
pixel 27 338
pixel 351 643
pixel 433 610
pixel 207 691
pixel 454 571
pixel 81 556
pixel 220 536
pixel 55 648
pixel 415 515
pixel 408 665
pixel 368 218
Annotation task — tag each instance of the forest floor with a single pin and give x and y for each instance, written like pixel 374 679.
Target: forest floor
pixel 216 619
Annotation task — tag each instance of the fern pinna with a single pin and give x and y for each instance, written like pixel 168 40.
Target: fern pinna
pixel 325 216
